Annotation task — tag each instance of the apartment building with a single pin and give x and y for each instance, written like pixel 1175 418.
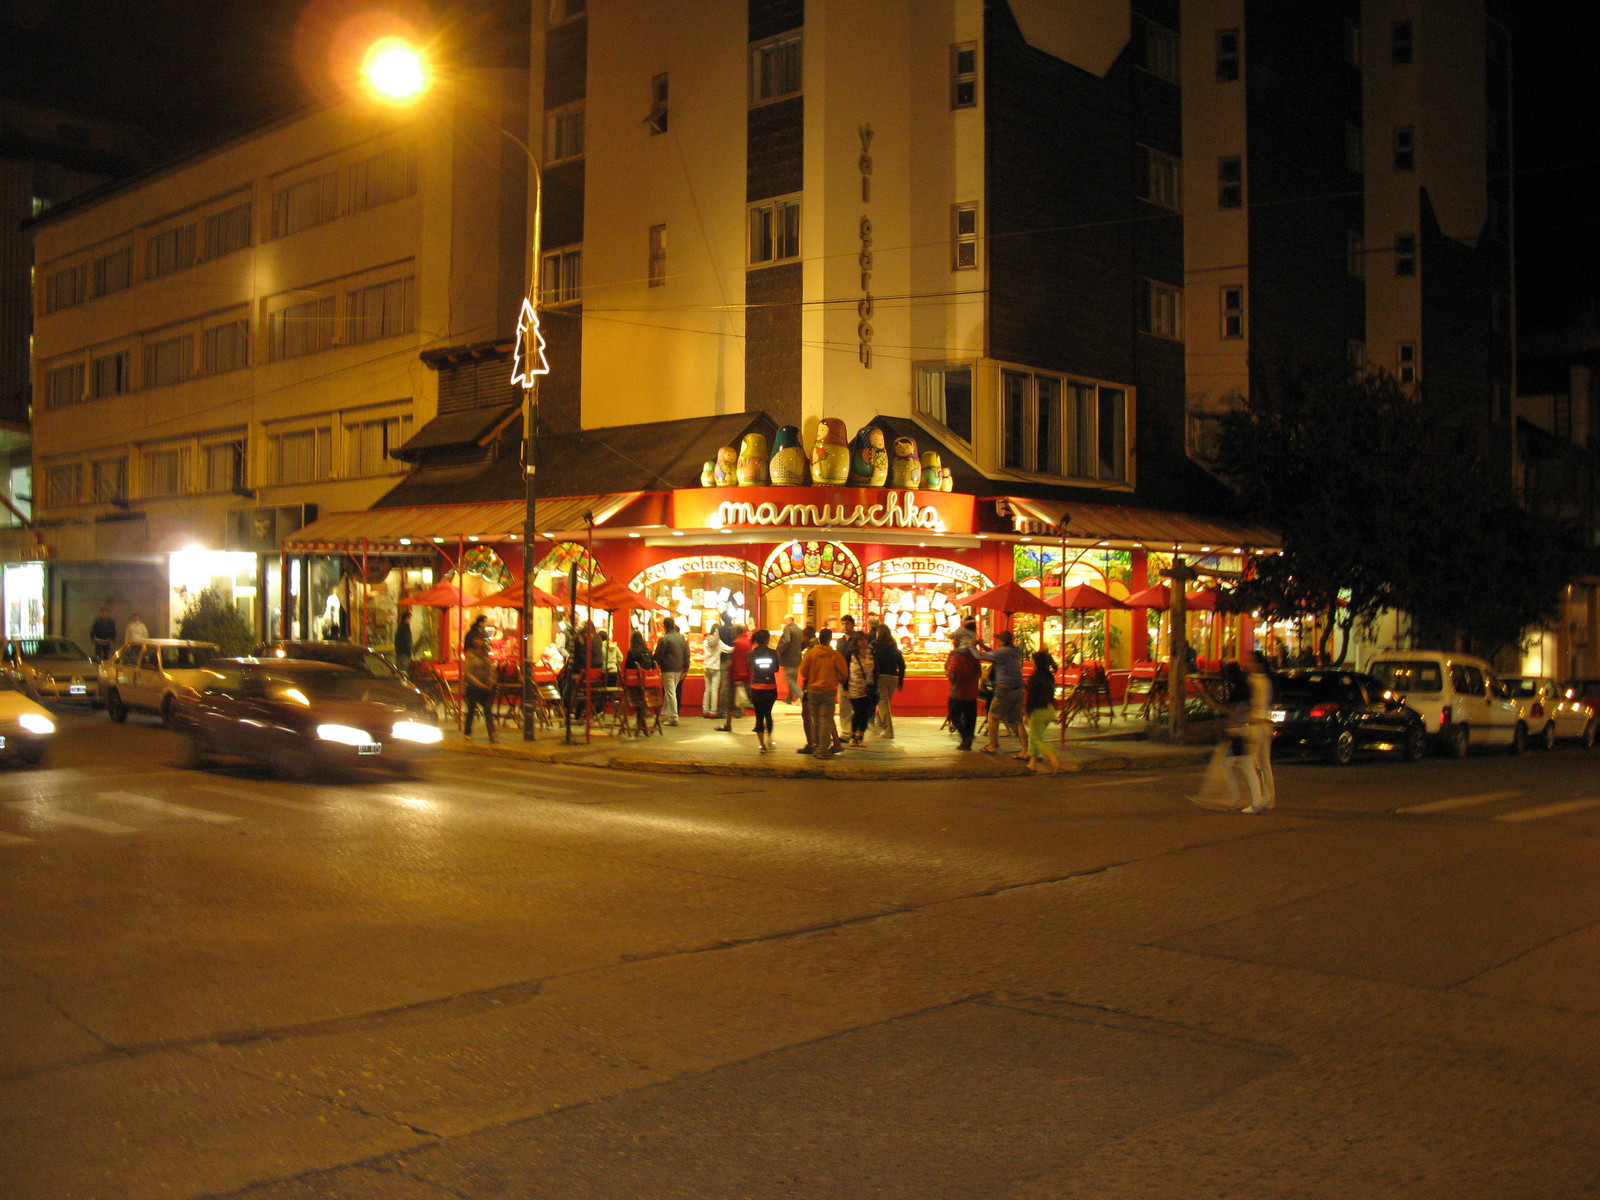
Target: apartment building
pixel 229 344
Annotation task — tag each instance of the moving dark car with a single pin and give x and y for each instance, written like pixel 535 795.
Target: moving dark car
pixel 365 659
pixel 1334 714
pixel 302 719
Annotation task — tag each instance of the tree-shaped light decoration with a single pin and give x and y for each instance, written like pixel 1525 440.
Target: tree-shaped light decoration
pixel 529 338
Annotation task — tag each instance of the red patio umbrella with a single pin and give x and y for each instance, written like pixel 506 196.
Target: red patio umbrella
pixel 1159 597
pixel 1008 597
pixel 1081 596
pixel 511 597
pixel 445 595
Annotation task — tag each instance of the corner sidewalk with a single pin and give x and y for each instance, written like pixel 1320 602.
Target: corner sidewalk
pixel 919 750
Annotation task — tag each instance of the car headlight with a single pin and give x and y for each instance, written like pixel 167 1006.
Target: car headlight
pixel 346 734
pixel 416 731
pixel 34 723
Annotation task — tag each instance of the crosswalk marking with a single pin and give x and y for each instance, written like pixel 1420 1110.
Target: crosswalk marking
pixel 1550 810
pixel 167 808
pixel 45 811
pixel 259 797
pixel 1120 781
pixel 521 774
pixel 1458 802
pixel 12 839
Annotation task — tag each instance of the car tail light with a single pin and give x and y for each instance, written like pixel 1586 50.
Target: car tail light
pixel 1444 715
pixel 1319 711
pixel 1538 708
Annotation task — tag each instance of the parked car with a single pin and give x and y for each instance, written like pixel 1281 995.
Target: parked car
pixel 52 668
pixel 26 726
pixel 303 719
pixel 150 675
pixel 1460 700
pixel 1583 689
pixel 1551 713
pixel 370 662
pixel 1334 714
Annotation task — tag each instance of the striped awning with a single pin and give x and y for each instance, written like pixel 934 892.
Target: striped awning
pixel 1156 529
pixel 406 529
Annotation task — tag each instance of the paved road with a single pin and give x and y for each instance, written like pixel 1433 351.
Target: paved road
pixel 520 980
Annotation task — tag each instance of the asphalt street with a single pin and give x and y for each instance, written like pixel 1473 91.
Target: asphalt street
pixel 505 979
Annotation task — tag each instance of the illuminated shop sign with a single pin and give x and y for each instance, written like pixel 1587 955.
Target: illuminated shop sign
pixel 703 564
pixel 908 570
pixel 822 508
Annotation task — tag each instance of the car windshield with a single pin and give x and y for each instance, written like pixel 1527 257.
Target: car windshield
pixel 369 662
pixel 1316 687
pixel 1522 687
pixel 305 686
pixel 1402 676
pixel 50 647
pixel 186 658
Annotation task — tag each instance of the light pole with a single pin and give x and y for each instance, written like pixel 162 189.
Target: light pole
pixel 397 72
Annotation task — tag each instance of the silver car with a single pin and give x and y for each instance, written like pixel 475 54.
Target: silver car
pixel 148 676
pixel 52 669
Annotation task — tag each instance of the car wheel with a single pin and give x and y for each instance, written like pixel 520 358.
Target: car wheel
pixel 288 761
pixel 115 708
pixel 1343 748
pixel 1519 739
pixel 197 754
pixel 1457 741
pixel 167 708
pixel 1416 744
pixel 1547 737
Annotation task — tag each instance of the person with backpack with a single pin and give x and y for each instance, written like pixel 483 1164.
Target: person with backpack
pixel 764 665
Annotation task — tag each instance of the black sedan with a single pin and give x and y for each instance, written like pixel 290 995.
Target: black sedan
pixel 1333 714
pixel 303 719
pixel 365 659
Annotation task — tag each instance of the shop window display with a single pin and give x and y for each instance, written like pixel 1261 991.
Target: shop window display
pixel 699 593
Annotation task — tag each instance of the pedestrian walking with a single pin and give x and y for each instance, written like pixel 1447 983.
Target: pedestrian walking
pixel 477 684
pixel 1006 672
pixel 103 634
pixel 672 656
pixel 764 667
pixel 891 668
pixel 711 668
pixel 821 670
pixel 964 673
pixel 863 689
pixel 1239 777
pixel 738 685
pixel 1039 704
pixel 791 645
pixel 477 634
pixel 402 641
pixel 638 659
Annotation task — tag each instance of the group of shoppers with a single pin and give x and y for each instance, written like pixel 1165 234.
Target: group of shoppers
pixel 1015 702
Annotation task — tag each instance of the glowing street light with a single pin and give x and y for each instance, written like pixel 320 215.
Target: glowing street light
pixel 395 69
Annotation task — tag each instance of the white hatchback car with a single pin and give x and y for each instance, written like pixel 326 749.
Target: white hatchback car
pixel 148 675
pixel 1460 700
pixel 1552 712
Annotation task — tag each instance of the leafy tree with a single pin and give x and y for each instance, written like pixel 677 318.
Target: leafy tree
pixel 210 618
pixel 1384 502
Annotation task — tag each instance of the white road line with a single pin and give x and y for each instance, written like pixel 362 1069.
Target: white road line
pixel 167 808
pixel 521 774
pixel 1550 810
pixel 1458 802
pixel 1125 781
pixel 43 810
pixel 259 797
pixel 12 839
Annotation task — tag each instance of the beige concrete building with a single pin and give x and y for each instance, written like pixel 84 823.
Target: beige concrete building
pixel 229 344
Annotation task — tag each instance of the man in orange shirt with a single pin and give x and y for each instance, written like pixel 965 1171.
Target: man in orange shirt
pixel 822 669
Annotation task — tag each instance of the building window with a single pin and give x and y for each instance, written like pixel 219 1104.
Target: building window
pixel 168 360
pixel 228 231
pixel 64 484
pixel 303 456
pixel 302 328
pixel 562 11
pixel 561 277
pixel 775 231
pixel 1230 182
pixel 1157 49
pixel 1405 254
pixel 1405 150
pixel 657 120
pixel 385 177
pixel 944 395
pixel 964 75
pixel 1066 428
pixel 775 69
pixel 1355 254
pixel 1400 45
pixel 225 347
pixel 1405 361
pixel 381 310
pixel 1232 312
pixel 370 445
pixel 964 237
pixel 1161 178
pixel 108 479
pixel 1352 147
pixel 224 466
pixel 63 385
pixel 1160 308
pixel 66 288
pixel 656 267
pixel 563 133
pixel 306 204
pixel 1227 55
pixel 168 251
pixel 164 471
pixel 113 272
pixel 109 374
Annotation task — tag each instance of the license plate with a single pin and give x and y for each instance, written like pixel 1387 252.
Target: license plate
pixel 1280 715
pixel 370 748
pixel 77 689
pixel 2 743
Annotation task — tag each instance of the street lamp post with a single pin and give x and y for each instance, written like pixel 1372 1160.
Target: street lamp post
pixel 397 72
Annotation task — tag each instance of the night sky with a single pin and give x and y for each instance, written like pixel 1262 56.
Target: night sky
pixel 193 71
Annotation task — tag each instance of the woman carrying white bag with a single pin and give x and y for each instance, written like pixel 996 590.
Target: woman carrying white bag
pixel 1239 776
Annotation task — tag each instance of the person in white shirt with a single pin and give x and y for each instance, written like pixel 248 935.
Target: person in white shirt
pixel 136 631
pixel 711 702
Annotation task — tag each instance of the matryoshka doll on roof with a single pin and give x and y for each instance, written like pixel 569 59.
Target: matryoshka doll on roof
pixel 869 458
pixel 830 455
pixel 905 471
